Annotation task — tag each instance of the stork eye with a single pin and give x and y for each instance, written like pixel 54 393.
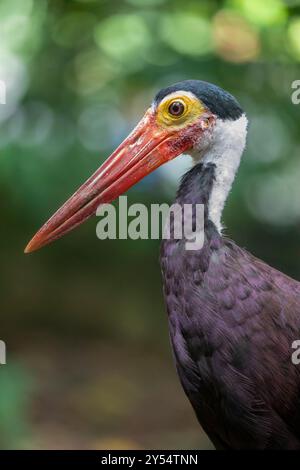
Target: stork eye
pixel 176 108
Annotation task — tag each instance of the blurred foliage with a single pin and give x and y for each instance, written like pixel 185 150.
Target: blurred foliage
pixel 14 400
pixel 79 75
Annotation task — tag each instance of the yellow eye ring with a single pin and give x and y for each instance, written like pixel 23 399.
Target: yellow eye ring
pixel 178 109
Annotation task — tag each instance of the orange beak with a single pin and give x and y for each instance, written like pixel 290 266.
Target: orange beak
pixel 145 149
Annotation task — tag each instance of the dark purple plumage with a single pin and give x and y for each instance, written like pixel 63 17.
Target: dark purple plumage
pixel 232 322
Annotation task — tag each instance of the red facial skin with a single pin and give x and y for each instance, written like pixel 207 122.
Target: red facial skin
pixel 145 149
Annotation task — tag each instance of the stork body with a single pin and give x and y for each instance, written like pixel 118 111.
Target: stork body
pixel 232 321
pixel 232 317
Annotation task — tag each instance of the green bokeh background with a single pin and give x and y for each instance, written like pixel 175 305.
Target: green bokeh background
pixel 88 357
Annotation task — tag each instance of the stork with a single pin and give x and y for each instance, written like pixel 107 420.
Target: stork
pixel 232 317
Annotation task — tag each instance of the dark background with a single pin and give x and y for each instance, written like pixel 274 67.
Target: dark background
pixel 88 357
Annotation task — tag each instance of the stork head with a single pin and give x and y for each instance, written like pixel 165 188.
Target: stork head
pixel 183 118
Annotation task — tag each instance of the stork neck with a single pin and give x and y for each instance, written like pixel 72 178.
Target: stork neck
pixel 224 153
pixel 196 186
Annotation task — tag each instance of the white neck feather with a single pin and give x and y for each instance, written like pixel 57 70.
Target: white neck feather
pixel 225 151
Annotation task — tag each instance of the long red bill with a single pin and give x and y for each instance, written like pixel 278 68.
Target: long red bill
pixel 145 149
